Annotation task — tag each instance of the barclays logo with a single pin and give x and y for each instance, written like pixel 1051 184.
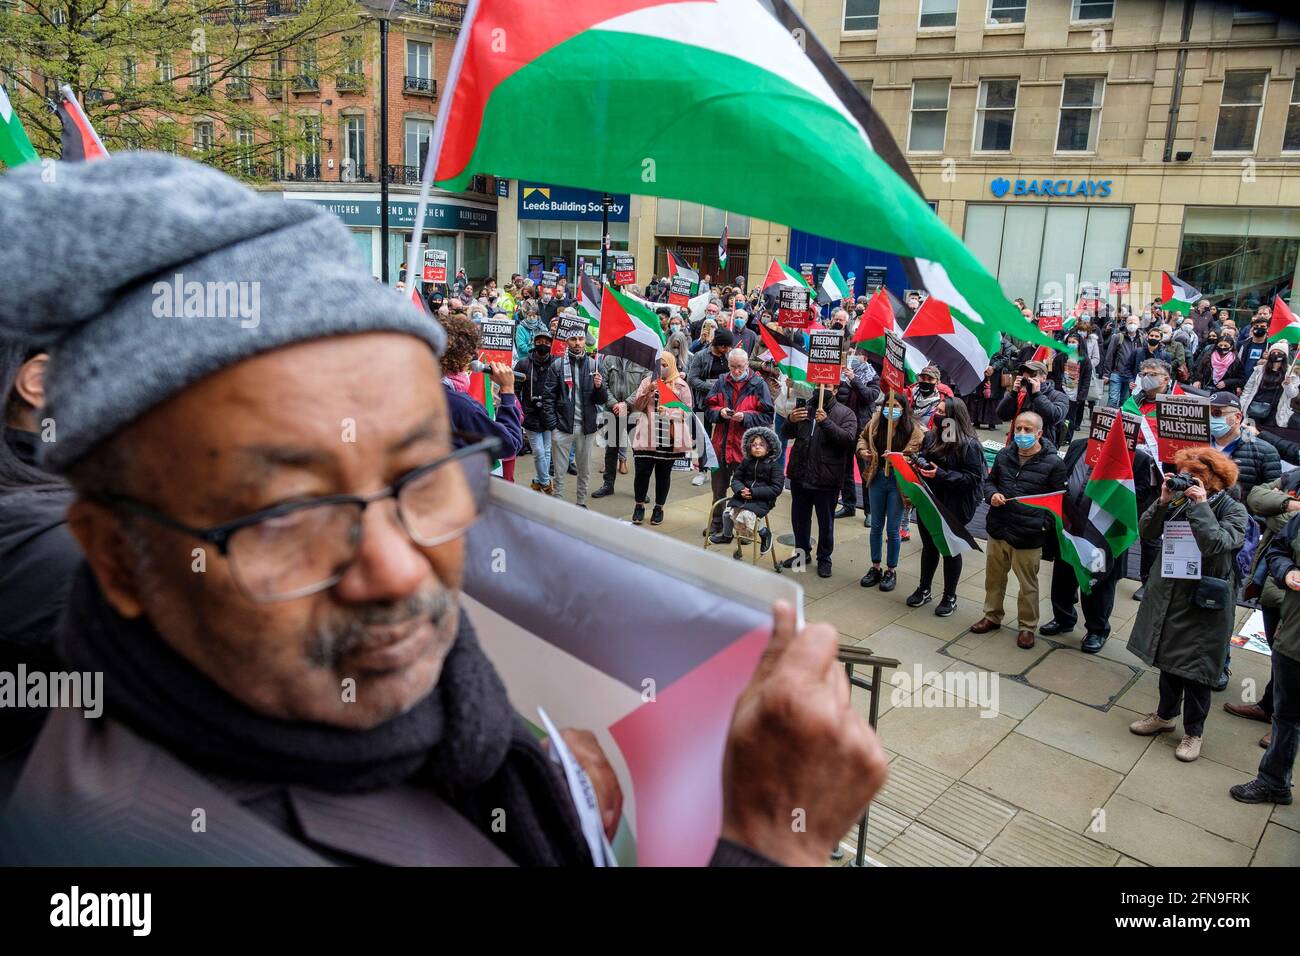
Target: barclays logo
pixel 1058 188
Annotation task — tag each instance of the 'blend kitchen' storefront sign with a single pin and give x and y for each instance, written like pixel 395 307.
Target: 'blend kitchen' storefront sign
pixel 450 216
pixel 1052 188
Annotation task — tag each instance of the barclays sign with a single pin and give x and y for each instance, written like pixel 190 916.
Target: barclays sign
pixel 1052 188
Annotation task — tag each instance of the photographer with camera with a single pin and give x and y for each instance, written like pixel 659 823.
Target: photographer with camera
pixel 1183 624
pixel 952 463
pixel 1033 391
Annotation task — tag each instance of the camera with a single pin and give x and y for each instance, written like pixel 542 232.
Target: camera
pixel 1179 483
pixel 921 462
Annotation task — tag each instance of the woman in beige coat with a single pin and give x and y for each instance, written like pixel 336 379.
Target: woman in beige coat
pixel 660 435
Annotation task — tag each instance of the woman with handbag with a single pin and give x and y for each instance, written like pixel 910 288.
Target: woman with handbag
pixel 1270 388
pixel 1184 623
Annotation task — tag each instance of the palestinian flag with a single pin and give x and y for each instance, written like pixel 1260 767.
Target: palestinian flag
pixel 15 147
pixel 1148 441
pixel 80 141
pixel 1086 558
pixel 833 286
pixel 658 690
pixel 588 304
pixel 628 329
pixel 786 354
pixel 1285 327
pixel 1113 517
pixel 948 534
pixel 668 398
pixel 722 250
pixel 940 335
pixel 677 266
pixel 885 313
pixel 772 78
pixel 1176 295
pixel 781 276
pixel 480 389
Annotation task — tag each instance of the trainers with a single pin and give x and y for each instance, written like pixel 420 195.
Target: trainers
pixel 889 581
pixel 1223 679
pixel 866 520
pixel 1189 748
pixel 718 538
pixel 1150 725
pixel 657 515
pixel 871 578
pixel 918 597
pixel 638 513
pixel 1257 791
pixel 764 540
pixel 699 479
pixel 605 489
pixel 946 606
pixel 573 469
pixel 846 511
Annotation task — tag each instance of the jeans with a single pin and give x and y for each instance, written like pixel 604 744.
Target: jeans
pixel 1119 389
pixel 803 502
pixel 661 468
pixel 886 514
pixel 1275 767
pixel 1193 696
pixel 930 563
pixel 540 443
pixel 849 490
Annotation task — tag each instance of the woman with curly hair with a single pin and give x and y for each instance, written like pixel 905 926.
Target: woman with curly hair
pixel 464 339
pixel 1184 623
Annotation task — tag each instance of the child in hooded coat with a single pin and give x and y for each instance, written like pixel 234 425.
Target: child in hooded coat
pixel 755 485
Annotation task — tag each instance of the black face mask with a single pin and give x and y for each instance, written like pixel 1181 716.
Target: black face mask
pixel 1153 343
pixel 1224 348
pixel 1258 329
pixel 925 388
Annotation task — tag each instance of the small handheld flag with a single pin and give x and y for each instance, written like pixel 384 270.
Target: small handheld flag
pixel 80 142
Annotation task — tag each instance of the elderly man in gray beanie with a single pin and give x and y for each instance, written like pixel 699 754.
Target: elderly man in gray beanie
pixel 234 395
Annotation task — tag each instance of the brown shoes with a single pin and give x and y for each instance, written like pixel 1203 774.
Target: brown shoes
pixel 1025 640
pixel 984 625
pixel 1249 711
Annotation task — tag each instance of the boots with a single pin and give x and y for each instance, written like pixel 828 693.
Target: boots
pixel 728 529
pixel 606 488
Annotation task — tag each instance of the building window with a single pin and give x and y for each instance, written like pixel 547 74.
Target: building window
pixel 1242 14
pixel 995 116
pixel 1291 137
pixel 128 71
pixel 1080 114
pixel 419 55
pixel 929 123
pixel 203 137
pixel 861 15
pixel 166 72
pixel 308 76
pixel 1239 111
pixel 938 13
pixel 309 153
pixel 1006 12
pixel 864 87
pixel 1084 11
pixel 202 69
pixel 353 55
pixel 418 134
pixel 354 144
pixel 244 150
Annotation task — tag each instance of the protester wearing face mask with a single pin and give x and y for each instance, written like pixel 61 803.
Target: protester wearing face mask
pixel 926 394
pixel 1027 466
pixel 864 393
pixel 1155 349
pixel 1252 348
pixel 661 436
pixel 738 401
pixel 746 338
pixel 534 366
pixel 1072 376
pixel 1118 360
pixel 572 398
pixel 1220 369
pixel 1257 461
pixel 821 429
pixel 1183 625
pixel 883 497
pixel 1270 388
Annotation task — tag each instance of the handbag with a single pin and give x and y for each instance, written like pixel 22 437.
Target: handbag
pixel 1258 411
pixel 1212 594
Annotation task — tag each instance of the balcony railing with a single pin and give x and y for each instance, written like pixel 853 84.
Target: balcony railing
pixel 421 85
pixel 275 89
pixel 307 172
pixel 283 8
pixel 438 9
pixel 306 83
pixel 404 175
pixel 350 82
pixel 362 173
pixel 239 90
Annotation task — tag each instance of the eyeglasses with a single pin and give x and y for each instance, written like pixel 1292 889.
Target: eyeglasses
pixel 298 548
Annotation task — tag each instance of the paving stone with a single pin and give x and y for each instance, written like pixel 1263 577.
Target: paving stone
pixel 1029 840
pixel 1129 861
pixel 1227 739
pixel 1279 847
pixel 1144 696
pixel 923 618
pixel 919 845
pixel 883 827
pixel 910 648
pixel 1051 783
pixel 862 702
pixel 1014 698
pixel 857 612
pixel 1288 816
pixel 984 860
pixel 997 651
pixel 910 787
pixel 1196 792
pixel 1082 677
pixel 1161 839
pixel 1102 737
pixel 950 738
pixel 968 815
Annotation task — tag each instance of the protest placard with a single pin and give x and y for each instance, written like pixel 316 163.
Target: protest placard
pixel 1181 422
pixel 792 308
pixel 825 348
pixel 498 339
pixel 624 269
pixel 435 265
pixel 1103 419
pixel 893 371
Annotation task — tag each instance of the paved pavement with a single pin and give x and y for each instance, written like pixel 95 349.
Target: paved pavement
pixel 1053 777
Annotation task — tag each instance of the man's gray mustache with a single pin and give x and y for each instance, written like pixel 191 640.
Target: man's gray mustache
pixel 337 639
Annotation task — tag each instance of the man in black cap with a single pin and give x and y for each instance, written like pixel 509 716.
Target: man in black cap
pixel 533 367
pixel 1257 461
pixel 1033 391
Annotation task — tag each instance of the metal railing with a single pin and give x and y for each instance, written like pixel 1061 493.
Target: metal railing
pixel 306 83
pixel 422 85
pixel 853 655
pixel 307 172
pixel 350 82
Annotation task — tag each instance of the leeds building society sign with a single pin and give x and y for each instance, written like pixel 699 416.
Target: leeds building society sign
pixel 1052 188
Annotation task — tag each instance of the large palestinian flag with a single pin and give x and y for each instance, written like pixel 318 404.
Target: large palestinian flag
pixel 1285 327
pixel 834 287
pixel 948 534
pixel 1113 516
pixel 628 329
pixel 677 266
pixel 786 353
pixel 15 147
pixel 1086 558
pixel 656 681
pixel 942 338
pixel 1176 295
pixel 828 164
pixel 885 313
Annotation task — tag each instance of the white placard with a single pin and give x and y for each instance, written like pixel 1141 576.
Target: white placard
pixel 1180 557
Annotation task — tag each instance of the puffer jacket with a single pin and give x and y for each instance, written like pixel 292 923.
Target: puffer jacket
pixel 648 418
pixel 1270 505
pixel 1283 555
pixel 1257 463
pixel 1170 631
pixel 622 379
pixel 1020 525
pixel 821 449
pixel 704 370
pixel 869 460
pixel 762 476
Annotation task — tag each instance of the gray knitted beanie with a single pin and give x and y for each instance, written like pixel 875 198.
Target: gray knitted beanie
pixel 143 273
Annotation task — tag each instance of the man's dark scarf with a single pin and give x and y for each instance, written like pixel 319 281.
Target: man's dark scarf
pixel 463 740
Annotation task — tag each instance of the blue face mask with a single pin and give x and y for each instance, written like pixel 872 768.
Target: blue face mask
pixel 738 324
pixel 893 412
pixel 1025 441
pixel 1218 427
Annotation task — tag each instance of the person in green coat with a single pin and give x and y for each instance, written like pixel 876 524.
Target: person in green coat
pixel 1187 642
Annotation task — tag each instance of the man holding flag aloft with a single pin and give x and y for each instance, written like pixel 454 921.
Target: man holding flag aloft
pixel 1101 504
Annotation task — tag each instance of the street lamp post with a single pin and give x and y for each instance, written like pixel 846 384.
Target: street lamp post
pixel 605 202
pixel 383 151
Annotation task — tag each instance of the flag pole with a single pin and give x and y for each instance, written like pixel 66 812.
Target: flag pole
pixel 889 431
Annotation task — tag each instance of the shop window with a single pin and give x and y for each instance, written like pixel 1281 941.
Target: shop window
pixel 1240 258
